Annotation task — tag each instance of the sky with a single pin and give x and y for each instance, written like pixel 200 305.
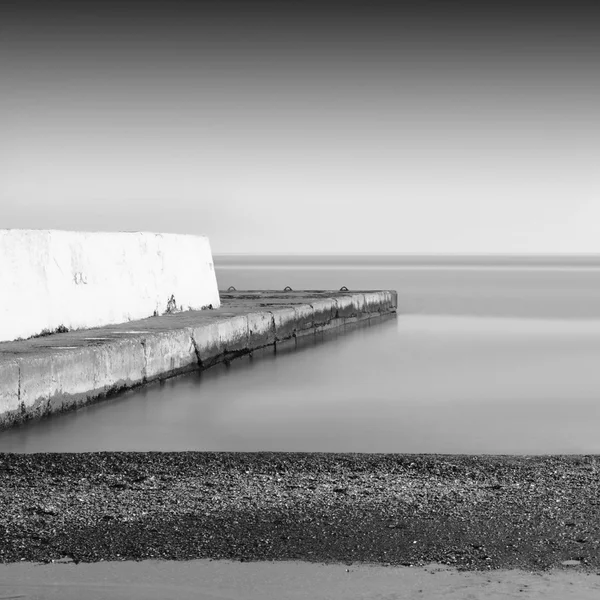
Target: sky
pixel 294 126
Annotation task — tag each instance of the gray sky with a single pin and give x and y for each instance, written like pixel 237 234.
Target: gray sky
pixel 297 127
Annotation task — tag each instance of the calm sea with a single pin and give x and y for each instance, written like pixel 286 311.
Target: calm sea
pixel 484 357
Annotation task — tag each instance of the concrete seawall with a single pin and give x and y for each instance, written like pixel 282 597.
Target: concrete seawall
pixel 63 371
pixel 82 279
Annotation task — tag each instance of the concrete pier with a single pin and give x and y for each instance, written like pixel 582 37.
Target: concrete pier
pixel 63 371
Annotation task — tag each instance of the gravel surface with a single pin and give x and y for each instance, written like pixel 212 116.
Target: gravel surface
pixel 473 512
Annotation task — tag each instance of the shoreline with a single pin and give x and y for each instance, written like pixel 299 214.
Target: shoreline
pixel 476 513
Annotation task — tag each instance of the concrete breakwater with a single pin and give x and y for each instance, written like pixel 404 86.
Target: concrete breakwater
pixel 63 371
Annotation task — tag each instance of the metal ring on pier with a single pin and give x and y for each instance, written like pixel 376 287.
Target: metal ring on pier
pixel 288 289
pixel 343 289
pixel 231 289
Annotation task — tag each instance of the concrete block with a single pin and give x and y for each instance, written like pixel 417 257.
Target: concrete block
pixel 304 317
pixel 390 301
pixel 285 323
pixel 60 379
pixel 261 329
pixel 374 302
pixel 324 310
pixel 358 302
pixel 207 342
pixel 345 306
pixel 119 364
pixel 57 376
pixel 384 301
pixel 9 387
pixel 168 353
pixel 233 334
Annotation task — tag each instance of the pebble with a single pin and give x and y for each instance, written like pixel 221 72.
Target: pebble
pixel 279 506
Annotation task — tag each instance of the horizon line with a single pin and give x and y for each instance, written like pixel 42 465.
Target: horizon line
pixel 421 254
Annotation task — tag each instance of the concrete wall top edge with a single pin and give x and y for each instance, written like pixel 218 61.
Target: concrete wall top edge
pixel 103 233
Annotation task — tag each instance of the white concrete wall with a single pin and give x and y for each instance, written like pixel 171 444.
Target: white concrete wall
pixel 89 279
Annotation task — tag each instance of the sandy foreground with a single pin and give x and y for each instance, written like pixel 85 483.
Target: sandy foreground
pixel 282 525
pixel 220 580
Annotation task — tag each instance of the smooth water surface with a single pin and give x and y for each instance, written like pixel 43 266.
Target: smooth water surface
pixel 477 361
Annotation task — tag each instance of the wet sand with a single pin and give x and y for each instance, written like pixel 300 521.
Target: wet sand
pixel 218 580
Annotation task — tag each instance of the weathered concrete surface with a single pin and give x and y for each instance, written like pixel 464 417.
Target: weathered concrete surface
pixel 89 279
pixel 40 376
